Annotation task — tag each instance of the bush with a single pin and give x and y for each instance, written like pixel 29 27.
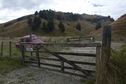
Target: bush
pixel 119 64
pixel 21 18
pixel 61 26
pixel 7 24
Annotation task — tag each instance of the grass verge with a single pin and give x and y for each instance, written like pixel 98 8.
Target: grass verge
pixel 119 64
pixel 8 64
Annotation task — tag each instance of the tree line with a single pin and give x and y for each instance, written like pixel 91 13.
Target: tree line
pixel 36 22
pixel 48 15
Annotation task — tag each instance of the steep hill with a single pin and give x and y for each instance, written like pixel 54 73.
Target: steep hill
pixel 119 26
pixel 118 29
pixel 20 27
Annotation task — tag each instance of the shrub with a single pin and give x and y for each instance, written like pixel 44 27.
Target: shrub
pixel 61 26
pixel 119 64
pixel 78 27
pixel 21 18
pixel 98 26
pixel 7 24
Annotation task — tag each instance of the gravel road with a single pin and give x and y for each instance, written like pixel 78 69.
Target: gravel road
pixel 32 75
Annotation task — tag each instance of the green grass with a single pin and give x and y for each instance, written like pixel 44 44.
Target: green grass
pixel 119 64
pixel 87 81
pixel 8 64
pixel 15 52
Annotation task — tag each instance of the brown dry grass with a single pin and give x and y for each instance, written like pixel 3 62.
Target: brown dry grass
pixel 21 28
pixel 119 27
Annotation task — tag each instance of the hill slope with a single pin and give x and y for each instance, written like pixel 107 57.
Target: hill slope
pixel 119 26
pixel 118 29
pixel 20 27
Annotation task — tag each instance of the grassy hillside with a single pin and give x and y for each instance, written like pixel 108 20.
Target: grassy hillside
pixel 19 26
pixel 118 29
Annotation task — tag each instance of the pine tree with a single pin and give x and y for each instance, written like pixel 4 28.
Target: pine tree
pixel 36 13
pixel 50 24
pixel 29 21
pixel 36 23
pixel 45 27
pixel 78 27
pixel 98 26
pixel 61 26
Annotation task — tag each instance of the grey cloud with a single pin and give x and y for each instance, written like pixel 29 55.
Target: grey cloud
pixel 27 4
pixel 97 5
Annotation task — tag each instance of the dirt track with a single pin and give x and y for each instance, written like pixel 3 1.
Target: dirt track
pixel 32 75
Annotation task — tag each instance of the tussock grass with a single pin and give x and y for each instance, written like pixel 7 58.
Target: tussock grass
pixel 119 64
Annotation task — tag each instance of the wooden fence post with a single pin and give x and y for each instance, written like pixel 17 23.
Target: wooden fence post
pixel 98 58
pixel 23 53
pixel 62 65
pixel 1 49
pixel 10 48
pixel 37 55
pixel 104 76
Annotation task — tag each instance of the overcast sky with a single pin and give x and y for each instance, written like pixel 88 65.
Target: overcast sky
pixel 12 9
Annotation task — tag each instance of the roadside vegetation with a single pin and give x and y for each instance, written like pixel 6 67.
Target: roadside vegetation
pixel 119 64
pixel 9 63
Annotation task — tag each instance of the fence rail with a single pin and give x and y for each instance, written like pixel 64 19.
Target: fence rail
pixel 81 38
pixel 9 47
pixel 60 56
